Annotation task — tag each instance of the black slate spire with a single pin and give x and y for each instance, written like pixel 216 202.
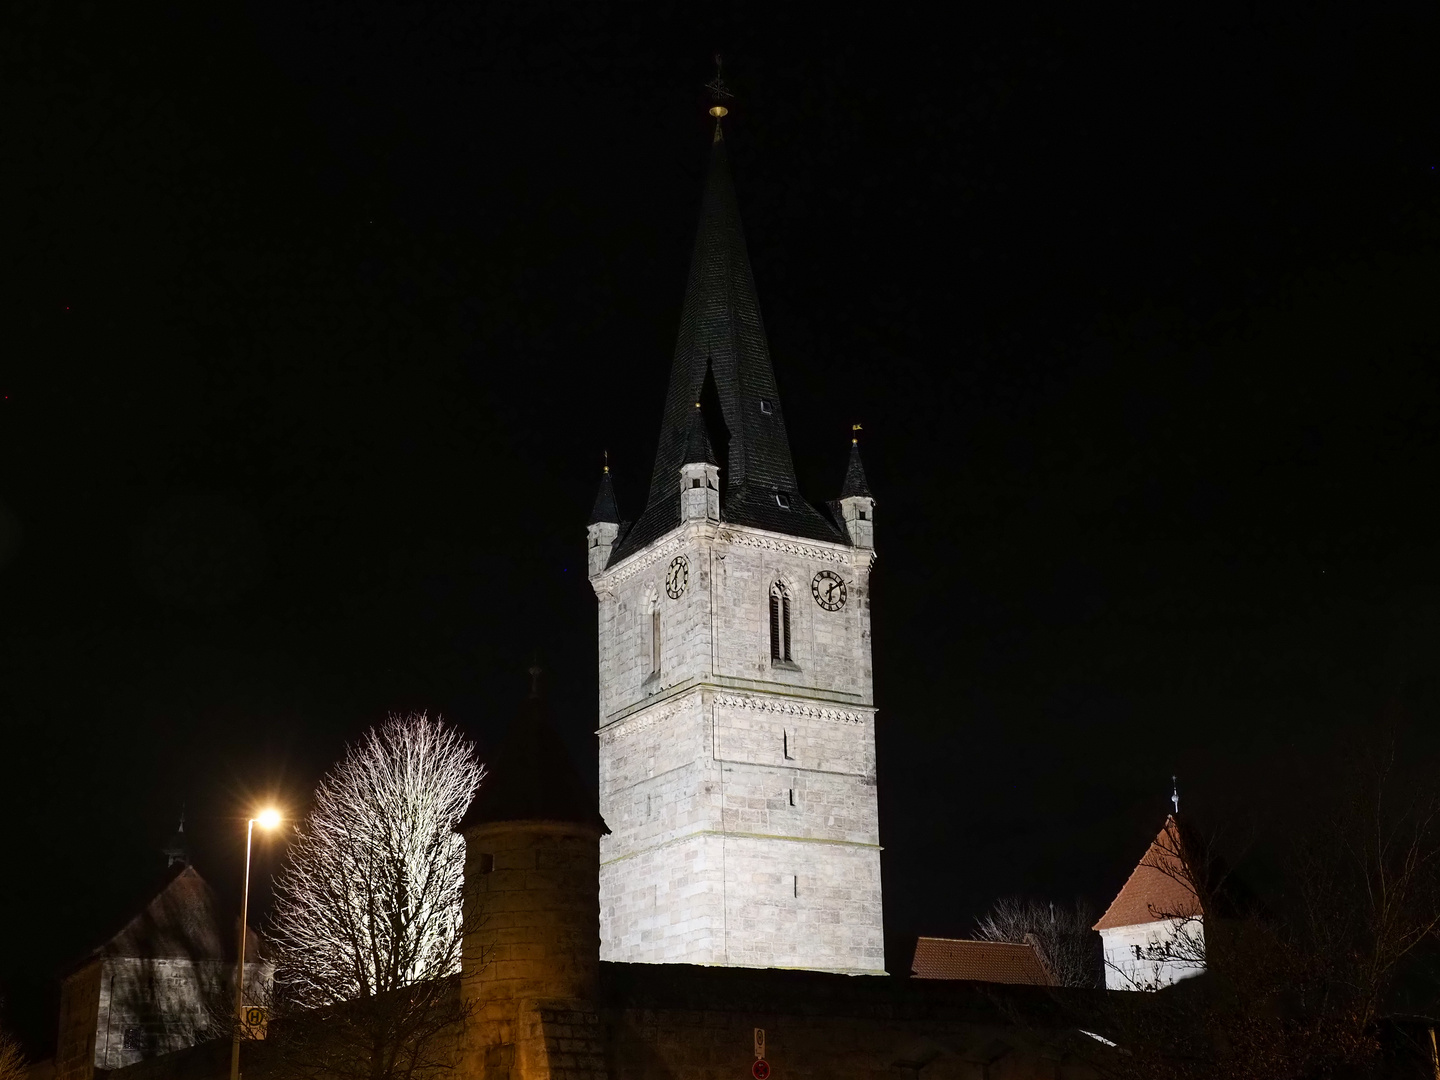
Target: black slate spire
pixel 697 441
pixel 855 482
pixel 606 509
pixel 721 328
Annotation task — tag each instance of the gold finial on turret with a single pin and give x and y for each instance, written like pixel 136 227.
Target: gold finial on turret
pixel 607 459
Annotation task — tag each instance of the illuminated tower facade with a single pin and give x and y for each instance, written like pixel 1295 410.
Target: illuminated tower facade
pixel 736 719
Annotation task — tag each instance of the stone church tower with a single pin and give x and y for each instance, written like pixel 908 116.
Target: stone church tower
pixel 737 739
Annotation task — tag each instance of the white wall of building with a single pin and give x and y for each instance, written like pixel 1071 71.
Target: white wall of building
pixel 1153 955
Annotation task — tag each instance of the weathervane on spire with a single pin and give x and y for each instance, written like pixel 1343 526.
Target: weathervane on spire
pixel 1175 793
pixel 719 94
pixel 607 459
pixel 854 434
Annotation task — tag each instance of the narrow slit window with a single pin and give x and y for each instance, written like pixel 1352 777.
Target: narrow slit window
pixel 785 745
pixel 795 884
pixel 655 641
pixel 779 623
pixel 792 796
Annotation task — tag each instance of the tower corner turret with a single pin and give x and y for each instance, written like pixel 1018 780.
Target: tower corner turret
pixel 857 505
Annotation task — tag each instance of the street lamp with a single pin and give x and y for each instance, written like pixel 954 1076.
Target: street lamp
pixel 267 819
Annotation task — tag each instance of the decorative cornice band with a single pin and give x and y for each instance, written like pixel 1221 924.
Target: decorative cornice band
pixel 790 708
pixel 644 560
pixel 644 721
pixel 789 547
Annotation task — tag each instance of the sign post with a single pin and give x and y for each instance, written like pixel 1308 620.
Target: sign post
pixel 761 1069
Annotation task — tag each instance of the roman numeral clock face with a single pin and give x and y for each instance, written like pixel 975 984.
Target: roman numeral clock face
pixel 828 588
pixel 677 578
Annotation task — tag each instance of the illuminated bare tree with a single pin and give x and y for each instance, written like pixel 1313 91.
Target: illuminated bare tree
pixel 1068 948
pixel 367 920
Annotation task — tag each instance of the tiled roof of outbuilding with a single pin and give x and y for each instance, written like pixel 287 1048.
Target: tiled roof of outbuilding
pixel 1160 886
pixel 979 961
pixel 721 331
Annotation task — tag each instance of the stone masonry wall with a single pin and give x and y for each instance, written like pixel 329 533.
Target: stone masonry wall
pixel 663 1044
pixel 727 778
pixel 531 940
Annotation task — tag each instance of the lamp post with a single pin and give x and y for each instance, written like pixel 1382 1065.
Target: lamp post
pixel 267 819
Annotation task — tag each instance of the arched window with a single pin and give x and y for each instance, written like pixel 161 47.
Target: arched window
pixel 655 640
pixel 779 623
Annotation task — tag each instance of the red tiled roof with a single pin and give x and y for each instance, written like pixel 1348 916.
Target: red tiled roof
pixel 1158 888
pixel 978 961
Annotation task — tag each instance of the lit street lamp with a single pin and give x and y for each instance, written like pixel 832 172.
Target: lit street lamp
pixel 267 819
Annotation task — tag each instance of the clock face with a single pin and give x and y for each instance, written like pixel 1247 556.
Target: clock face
pixel 677 578
pixel 828 588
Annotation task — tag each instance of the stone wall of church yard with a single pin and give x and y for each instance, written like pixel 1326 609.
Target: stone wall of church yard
pixel 662 1044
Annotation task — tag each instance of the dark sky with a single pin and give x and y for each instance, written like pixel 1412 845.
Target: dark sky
pixel 322 313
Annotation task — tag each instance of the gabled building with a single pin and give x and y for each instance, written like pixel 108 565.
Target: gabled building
pixel 736 711
pixel 1153 932
pixel 164 982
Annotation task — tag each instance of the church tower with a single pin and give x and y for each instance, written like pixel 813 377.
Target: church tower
pixel 737 724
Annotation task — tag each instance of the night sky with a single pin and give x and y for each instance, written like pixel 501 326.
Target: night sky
pixel 322 314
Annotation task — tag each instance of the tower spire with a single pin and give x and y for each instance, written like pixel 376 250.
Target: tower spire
pixel 721 328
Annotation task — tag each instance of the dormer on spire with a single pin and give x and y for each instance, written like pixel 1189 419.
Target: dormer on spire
pixel 699 475
pixel 857 506
pixel 604 524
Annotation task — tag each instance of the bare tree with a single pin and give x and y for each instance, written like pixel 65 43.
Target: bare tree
pixel 1068 948
pixel 367 921
pixel 12 1060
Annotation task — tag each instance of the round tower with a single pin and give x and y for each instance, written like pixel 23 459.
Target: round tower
pixel 532 893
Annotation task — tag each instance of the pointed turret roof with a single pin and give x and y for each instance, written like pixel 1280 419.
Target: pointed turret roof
pixel 855 482
pixel 697 441
pixel 721 329
pixel 606 509
pixel 1162 886
pixel 532 777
